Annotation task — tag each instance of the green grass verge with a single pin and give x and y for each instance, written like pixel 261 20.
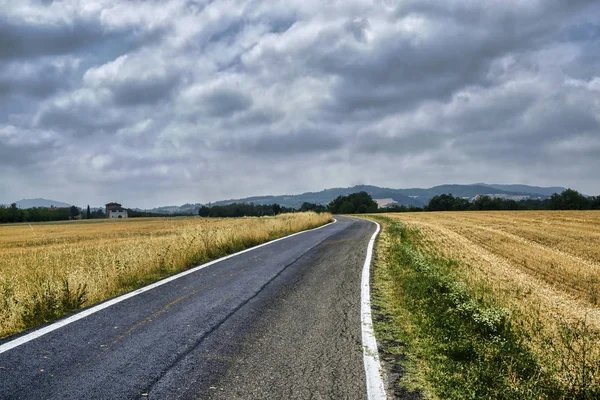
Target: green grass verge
pixel 446 338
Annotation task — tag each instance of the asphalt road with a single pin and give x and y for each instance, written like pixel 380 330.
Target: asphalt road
pixel 278 322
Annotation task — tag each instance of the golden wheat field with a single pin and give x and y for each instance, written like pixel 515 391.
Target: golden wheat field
pixel 542 266
pixel 50 269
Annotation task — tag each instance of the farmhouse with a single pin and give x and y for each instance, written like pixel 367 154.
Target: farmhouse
pixel 114 210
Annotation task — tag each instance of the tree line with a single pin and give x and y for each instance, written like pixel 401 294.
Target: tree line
pixel 569 199
pixel 362 202
pixel 355 203
pixel 255 210
pixel 13 214
pixel 146 214
pixel 243 210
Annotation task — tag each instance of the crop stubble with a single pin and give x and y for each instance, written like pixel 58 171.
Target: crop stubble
pixel 543 266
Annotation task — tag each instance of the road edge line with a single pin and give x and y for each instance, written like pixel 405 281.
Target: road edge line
pixel 106 304
pixel 373 370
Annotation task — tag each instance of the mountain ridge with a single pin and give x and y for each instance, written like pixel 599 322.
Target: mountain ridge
pixel 548 191
pixel 417 197
pixel 40 202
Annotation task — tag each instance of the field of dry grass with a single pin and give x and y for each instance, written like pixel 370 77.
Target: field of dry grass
pixel 49 269
pixel 541 266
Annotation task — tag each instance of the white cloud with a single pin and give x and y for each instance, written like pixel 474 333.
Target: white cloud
pixel 206 100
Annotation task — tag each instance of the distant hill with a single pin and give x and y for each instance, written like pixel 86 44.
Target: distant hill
pixel 31 203
pixel 416 196
pixel 471 191
pixel 325 196
pixel 546 191
pixel 184 209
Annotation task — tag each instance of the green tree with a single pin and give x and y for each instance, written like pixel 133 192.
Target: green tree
pixel 312 207
pixel 482 203
pixel 242 210
pixel 15 214
pixel 347 208
pixel 460 204
pixel 74 212
pixel 98 214
pixel 595 203
pixel 360 202
pixel 88 213
pixel 568 200
pixel 442 202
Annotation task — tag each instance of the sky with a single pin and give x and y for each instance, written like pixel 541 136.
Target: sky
pixel 153 103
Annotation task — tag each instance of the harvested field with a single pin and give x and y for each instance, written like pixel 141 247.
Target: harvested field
pixel 557 251
pixel 541 266
pixel 50 269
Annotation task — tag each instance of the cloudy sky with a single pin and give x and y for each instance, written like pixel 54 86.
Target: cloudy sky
pixel 165 102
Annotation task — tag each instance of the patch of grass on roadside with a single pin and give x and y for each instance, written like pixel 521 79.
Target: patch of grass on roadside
pixel 50 303
pixel 448 339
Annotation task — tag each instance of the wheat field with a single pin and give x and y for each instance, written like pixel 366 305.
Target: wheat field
pixel 50 269
pixel 542 266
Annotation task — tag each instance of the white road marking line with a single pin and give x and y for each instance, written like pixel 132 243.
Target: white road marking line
pixel 83 314
pixel 373 370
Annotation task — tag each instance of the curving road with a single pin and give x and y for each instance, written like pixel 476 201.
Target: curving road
pixel 279 322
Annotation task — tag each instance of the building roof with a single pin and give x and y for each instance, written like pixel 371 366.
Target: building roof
pixel 113 205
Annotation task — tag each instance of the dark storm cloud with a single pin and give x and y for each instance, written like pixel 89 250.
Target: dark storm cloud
pixel 291 144
pixel 29 87
pixel 18 78
pixel 200 98
pixel 402 71
pixel 506 16
pixel 358 28
pixel 255 117
pixel 80 121
pixel 22 155
pixel 224 102
pixel 587 62
pixel 413 144
pixel 26 149
pixel 145 92
pixel 25 40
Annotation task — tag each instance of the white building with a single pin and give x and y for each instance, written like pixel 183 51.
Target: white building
pixel 114 210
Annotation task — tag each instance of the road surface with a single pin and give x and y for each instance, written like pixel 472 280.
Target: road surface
pixel 278 322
